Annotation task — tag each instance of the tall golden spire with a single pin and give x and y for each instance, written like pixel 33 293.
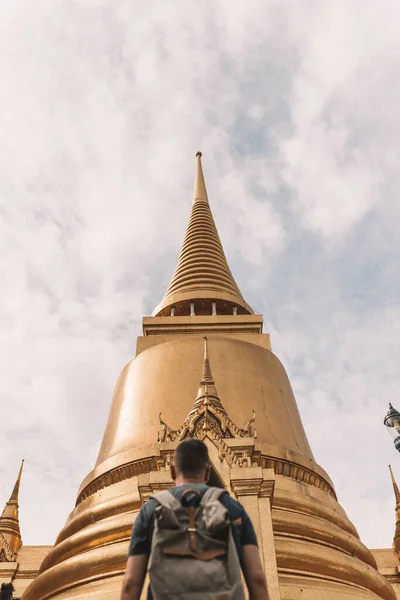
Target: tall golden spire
pixel 202 282
pixel 396 539
pixel 10 535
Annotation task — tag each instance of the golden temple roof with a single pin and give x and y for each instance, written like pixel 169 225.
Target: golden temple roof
pixel 10 535
pixel 202 273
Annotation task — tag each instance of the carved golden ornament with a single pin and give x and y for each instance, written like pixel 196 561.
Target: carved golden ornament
pixel 6 554
pixel 132 469
pixel 206 418
pixel 209 418
pixel 297 472
pixel 207 414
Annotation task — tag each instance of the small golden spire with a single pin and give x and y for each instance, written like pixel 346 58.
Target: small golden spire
pixel 395 487
pixel 207 377
pixel 207 392
pixel 15 492
pixel 200 191
pixel 10 535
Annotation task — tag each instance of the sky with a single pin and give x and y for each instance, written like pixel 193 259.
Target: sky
pixel 103 105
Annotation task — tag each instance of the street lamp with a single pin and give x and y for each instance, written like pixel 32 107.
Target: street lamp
pixel 392 422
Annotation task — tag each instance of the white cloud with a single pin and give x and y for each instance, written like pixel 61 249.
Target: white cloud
pixel 332 162
pixel 102 107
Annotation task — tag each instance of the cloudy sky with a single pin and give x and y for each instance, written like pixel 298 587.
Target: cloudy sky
pixel 103 104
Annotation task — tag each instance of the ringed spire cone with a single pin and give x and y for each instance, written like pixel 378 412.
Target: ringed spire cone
pixel 10 535
pixel 202 273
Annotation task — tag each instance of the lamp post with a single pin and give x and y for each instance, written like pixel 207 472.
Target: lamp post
pixel 392 422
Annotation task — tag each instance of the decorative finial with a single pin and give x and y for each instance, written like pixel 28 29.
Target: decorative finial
pixel 248 429
pixel 205 347
pixel 167 434
pixel 199 154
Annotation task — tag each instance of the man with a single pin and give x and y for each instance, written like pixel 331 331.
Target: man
pixel 191 470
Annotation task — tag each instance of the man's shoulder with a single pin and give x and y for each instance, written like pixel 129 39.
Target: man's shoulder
pixel 231 504
pixel 147 510
pixel 234 507
pixel 200 488
pixel 197 487
pixel 226 499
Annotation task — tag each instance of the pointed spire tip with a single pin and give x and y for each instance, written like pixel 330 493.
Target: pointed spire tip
pixel 200 192
pixel 395 486
pixel 15 492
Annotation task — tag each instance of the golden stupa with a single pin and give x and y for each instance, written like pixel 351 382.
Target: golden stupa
pixel 203 332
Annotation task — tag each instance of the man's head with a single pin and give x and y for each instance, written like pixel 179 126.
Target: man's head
pixel 191 462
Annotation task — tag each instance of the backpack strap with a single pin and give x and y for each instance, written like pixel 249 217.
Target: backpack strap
pixel 212 494
pixel 165 498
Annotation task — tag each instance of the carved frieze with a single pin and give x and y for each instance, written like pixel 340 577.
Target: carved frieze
pixel 206 420
pixel 6 554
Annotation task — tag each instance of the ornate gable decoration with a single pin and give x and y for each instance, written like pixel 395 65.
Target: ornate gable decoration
pixel 6 554
pixel 208 418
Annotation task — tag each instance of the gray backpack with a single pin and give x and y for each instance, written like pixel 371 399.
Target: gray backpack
pixel 193 555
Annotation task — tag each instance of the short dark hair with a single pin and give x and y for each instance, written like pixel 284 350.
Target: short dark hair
pixel 191 457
